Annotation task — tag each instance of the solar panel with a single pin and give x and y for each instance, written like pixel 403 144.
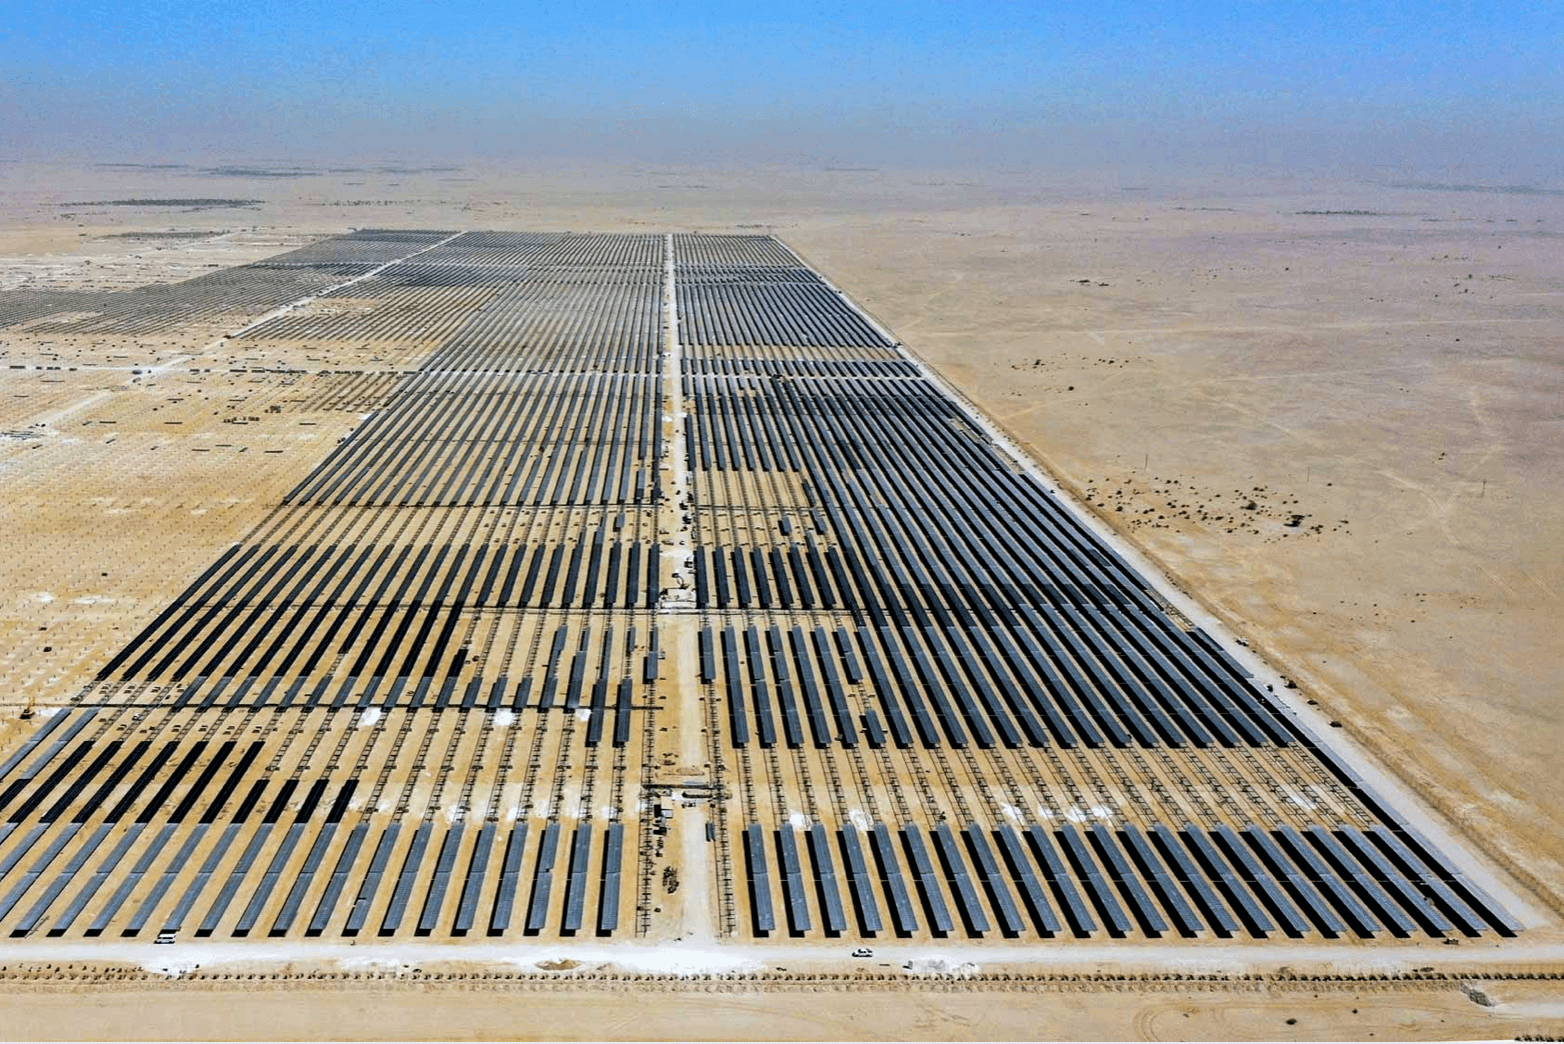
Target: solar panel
pixel 993 881
pixel 576 887
pixel 370 885
pixel 759 880
pixel 1086 871
pixel 608 904
pixel 338 880
pixel 165 880
pixel 510 878
pixel 406 879
pixel 1387 874
pixel 1193 879
pixel 928 881
pixel 472 888
pixel 440 880
pixel 1298 886
pixel 831 910
pixel 972 912
pixel 269 879
pixel 793 882
pixel 1031 888
pixel 1469 922
pixel 1167 893
pixel 51 850
pixel 860 882
pixel 543 879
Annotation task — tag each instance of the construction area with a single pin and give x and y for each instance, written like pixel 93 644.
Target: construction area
pixel 637 587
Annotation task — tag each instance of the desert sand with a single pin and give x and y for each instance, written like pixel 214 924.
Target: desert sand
pixel 464 1005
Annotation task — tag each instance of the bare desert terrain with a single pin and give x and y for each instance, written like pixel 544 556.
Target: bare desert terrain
pixel 1329 411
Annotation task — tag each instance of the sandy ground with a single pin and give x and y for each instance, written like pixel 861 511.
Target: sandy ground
pixel 1205 363
pixel 478 1008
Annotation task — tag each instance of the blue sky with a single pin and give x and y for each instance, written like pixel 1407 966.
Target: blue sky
pixel 940 84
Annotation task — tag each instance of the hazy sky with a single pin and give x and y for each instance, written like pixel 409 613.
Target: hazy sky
pixel 1410 88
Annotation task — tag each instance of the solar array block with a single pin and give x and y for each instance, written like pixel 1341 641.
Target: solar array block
pixel 878 589
pixel 269 879
pixel 96 881
pixel 1151 869
pixel 53 849
pixel 1428 916
pixel 1470 922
